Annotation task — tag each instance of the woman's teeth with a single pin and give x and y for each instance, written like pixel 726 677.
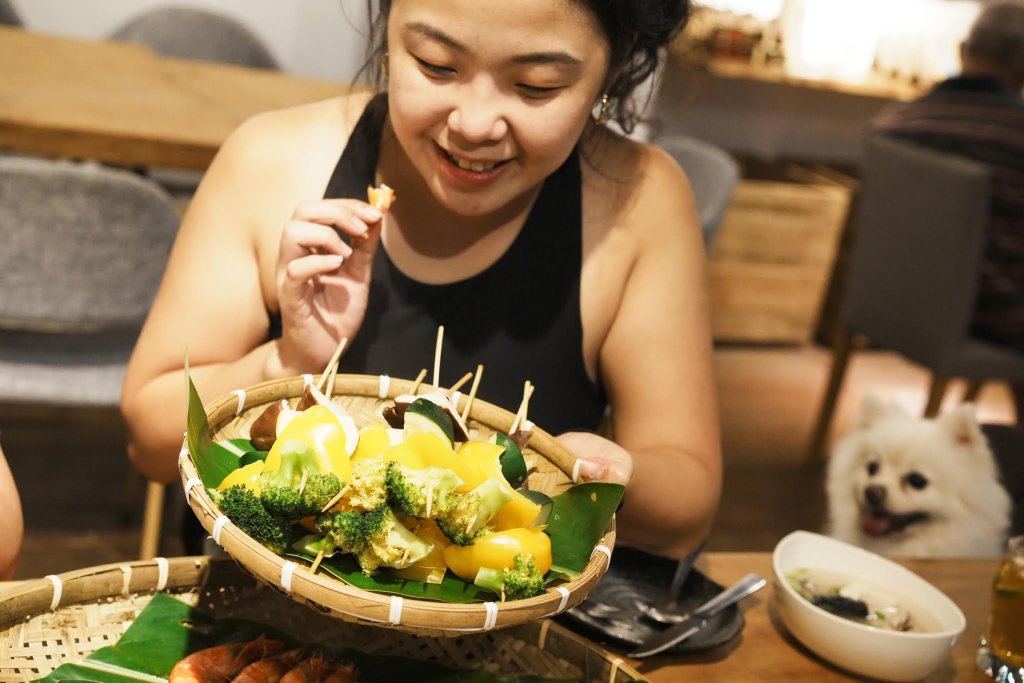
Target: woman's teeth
pixel 475 166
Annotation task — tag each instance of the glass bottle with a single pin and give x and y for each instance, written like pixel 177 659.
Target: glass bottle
pixel 1006 620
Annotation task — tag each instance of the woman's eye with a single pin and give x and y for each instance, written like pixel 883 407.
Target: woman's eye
pixel 435 69
pixel 536 90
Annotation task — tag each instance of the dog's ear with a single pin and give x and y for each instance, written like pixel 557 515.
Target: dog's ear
pixel 962 425
pixel 872 409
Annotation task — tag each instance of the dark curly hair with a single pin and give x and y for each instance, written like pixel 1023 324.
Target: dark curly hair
pixel 635 30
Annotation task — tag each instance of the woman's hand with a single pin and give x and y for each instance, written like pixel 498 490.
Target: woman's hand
pixel 599 458
pixel 323 283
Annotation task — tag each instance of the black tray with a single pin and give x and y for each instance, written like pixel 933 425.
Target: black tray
pixel 635 575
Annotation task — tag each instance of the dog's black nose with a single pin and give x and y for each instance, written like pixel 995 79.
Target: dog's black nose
pixel 875 496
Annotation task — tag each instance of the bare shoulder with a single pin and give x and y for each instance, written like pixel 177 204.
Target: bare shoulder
pixel 285 138
pixel 635 182
pixel 634 188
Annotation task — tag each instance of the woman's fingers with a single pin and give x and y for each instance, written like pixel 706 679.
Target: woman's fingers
pixel 301 269
pixel 352 216
pixel 319 226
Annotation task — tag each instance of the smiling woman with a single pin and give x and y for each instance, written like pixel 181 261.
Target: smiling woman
pixel 551 249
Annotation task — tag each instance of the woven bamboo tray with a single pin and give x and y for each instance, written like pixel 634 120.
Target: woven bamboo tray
pixel 47 622
pixel 364 397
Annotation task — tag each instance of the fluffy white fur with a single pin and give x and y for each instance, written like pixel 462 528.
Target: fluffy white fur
pixel 904 486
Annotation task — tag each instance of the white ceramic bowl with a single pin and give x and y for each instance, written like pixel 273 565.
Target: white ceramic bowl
pixel 866 650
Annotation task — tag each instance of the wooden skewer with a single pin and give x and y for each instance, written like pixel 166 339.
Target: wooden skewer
pixel 332 363
pixel 305 477
pixel 458 385
pixel 521 413
pixel 316 563
pixel 330 382
pixel 472 392
pixel 437 356
pixel 419 380
pixel 334 501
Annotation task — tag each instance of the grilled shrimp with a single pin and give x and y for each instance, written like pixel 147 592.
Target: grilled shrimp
pixel 222 662
pixel 343 673
pixel 269 669
pixel 312 669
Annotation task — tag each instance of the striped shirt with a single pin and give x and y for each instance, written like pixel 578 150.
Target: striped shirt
pixel 980 119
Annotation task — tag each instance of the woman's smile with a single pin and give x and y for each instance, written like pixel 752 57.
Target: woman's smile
pixel 470 170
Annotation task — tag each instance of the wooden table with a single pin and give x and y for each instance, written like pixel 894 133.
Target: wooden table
pixel 122 104
pixel 766 652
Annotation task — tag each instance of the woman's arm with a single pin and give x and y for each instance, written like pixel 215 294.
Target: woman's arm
pixel 223 272
pixel 11 521
pixel 656 362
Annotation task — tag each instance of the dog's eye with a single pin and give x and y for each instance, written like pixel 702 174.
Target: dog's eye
pixel 916 480
pixel 873 468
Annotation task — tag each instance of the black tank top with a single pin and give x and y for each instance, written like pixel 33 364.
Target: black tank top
pixel 520 317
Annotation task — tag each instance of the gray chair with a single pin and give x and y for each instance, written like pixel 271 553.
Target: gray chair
pixel 190 33
pixel 196 34
pixel 8 15
pixel 913 273
pixel 713 175
pixel 84 249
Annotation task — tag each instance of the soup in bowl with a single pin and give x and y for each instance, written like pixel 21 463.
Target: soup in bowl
pixel 860 611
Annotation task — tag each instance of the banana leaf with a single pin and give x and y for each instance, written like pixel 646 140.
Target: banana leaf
pixel 451 588
pixel 167 630
pixel 243 449
pixel 577 522
pixel 213 461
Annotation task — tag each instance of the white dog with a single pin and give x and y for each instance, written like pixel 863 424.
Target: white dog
pixel 905 486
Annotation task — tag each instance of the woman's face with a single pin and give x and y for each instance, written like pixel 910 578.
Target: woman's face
pixel 488 98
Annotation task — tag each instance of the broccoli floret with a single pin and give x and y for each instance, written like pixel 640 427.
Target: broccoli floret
pixel 349 530
pixel 377 538
pixel 523 580
pixel 469 515
pixel 366 490
pixel 242 507
pixel 285 494
pixel 424 493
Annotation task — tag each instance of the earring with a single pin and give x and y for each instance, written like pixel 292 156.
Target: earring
pixel 602 112
pixel 384 68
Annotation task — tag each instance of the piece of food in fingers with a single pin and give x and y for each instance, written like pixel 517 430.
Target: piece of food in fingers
pixel 380 197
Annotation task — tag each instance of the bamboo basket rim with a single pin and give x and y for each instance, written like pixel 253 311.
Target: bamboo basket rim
pixel 78 612
pixel 341 600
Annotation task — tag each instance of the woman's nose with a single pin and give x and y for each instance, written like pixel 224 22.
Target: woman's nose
pixel 477 117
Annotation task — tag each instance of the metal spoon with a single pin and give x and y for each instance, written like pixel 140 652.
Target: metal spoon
pixel 739 590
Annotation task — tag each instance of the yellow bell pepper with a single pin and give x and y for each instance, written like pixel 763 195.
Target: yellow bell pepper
pixel 372 440
pixel 479 460
pixel 247 476
pixel 518 512
pixel 318 428
pixel 497 551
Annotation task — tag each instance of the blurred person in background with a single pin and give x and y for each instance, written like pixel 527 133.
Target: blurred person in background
pixel 979 114
pixel 11 523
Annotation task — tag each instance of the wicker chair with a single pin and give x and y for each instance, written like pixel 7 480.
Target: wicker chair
pixel 913 273
pixel 84 251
